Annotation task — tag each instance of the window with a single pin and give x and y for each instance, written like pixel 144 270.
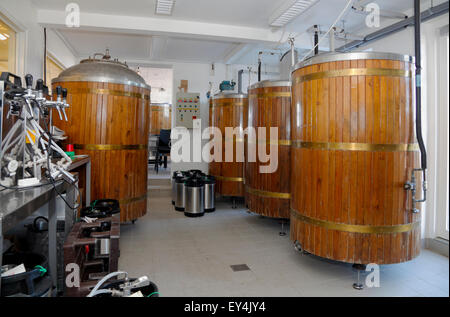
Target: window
pixel 161 81
pixel 7 48
pixel 53 70
pixel 442 192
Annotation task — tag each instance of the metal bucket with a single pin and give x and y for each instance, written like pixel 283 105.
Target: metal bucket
pixel 195 197
pixel 210 183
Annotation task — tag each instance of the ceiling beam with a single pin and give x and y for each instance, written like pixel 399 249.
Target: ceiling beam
pixel 159 44
pixel 165 27
pixel 237 52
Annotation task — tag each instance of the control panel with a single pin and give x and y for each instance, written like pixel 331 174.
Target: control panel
pixel 187 109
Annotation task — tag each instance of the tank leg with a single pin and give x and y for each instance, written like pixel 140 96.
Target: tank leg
pixel 133 221
pixel 282 232
pixel 359 268
pixel 233 203
pixel 298 246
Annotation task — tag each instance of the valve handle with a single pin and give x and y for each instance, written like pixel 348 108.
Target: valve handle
pixel 39 85
pixel 64 93
pixel 29 80
pixel 58 91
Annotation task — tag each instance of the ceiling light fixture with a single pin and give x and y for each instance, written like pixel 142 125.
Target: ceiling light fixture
pixel 289 11
pixel 164 7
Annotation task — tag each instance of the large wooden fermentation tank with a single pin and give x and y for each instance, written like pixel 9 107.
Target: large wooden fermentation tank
pixel 109 121
pixel 229 110
pixel 353 150
pixel 269 106
pixel 160 117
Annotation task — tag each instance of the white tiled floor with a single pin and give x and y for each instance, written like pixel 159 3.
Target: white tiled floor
pixel 192 257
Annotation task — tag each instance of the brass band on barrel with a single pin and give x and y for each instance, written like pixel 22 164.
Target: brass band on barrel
pixel 264 193
pixel 161 109
pixel 228 104
pixel 132 199
pixel 367 147
pixel 229 179
pixel 285 94
pixel 111 92
pixel 354 72
pixel 272 142
pixel 355 228
pixel 110 147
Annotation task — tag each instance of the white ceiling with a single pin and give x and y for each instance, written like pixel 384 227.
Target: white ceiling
pixel 132 46
pixel 123 46
pixel 234 12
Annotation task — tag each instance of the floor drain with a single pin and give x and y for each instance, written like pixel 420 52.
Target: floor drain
pixel 240 267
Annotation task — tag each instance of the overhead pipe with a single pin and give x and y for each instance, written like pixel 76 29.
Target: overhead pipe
pixel 45 56
pixel 396 27
pixel 412 185
pixel 259 65
pixel 418 53
pixel 316 40
pixel 293 59
pixel 240 81
pixel 332 39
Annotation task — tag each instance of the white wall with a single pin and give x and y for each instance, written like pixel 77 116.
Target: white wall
pixel 403 43
pixel 199 76
pixel 59 50
pixel 30 38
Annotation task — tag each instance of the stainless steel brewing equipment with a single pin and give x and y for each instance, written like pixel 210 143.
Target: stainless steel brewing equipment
pixel 180 193
pixel 174 186
pixel 195 197
pixel 210 183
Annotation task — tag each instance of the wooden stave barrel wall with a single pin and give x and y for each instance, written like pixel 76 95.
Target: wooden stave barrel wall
pixel 377 205
pixel 124 142
pixel 228 112
pixel 269 194
pixel 159 120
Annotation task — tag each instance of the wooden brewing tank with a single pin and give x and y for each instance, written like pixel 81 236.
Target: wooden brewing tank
pixel 109 121
pixel 160 117
pixel 268 194
pixel 229 110
pixel 353 150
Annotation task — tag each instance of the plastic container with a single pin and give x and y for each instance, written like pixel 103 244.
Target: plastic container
pixel 32 283
pixel 101 208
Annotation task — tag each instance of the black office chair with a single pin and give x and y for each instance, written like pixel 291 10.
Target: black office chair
pixel 163 148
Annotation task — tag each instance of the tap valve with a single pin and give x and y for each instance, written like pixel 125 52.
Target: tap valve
pixel 29 83
pixel 58 100
pixel 64 97
pixel 40 88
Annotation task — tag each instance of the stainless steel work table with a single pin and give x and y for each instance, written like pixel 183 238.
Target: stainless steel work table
pixel 17 205
pixel 77 162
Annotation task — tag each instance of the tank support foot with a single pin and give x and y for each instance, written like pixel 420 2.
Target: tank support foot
pixel 282 232
pixel 233 203
pixel 359 268
pixel 298 246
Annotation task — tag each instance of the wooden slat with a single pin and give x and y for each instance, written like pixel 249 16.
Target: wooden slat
pixel 111 119
pixel 269 110
pixel 357 187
